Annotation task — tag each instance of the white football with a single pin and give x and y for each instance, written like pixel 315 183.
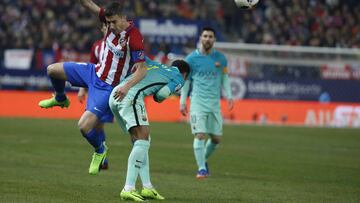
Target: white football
pixel 246 4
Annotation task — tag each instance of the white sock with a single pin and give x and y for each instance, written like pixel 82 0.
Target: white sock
pixel 129 188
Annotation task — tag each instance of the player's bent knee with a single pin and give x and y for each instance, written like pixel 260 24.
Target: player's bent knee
pixel 56 70
pixel 140 132
pixel 200 136
pixel 84 127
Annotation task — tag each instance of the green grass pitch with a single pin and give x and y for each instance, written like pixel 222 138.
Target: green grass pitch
pixel 46 160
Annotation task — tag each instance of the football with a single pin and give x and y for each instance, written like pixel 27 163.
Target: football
pixel 246 4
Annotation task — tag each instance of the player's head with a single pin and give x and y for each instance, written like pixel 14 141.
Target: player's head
pixel 183 67
pixel 115 17
pixel 207 38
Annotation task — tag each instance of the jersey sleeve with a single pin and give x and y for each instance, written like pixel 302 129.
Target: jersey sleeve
pixel 224 64
pixel 173 86
pixel 136 44
pixel 102 15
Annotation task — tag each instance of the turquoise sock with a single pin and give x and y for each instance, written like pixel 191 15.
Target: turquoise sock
pixel 136 161
pixel 199 151
pixel 145 172
pixel 209 148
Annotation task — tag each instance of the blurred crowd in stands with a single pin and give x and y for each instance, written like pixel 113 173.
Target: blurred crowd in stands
pixel 65 25
pixel 45 24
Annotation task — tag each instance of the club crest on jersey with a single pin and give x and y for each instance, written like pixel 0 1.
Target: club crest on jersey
pixel 122 40
pixel 217 64
pixel 141 55
pixel 178 87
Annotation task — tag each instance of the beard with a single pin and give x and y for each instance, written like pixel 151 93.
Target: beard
pixel 207 46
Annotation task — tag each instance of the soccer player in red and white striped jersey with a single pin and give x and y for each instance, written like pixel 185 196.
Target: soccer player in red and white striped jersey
pixel 123 52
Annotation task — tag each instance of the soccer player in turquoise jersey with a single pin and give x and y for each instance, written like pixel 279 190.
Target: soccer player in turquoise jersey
pixel 208 73
pixel 161 81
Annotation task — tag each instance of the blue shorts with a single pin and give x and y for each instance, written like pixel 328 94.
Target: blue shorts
pixel 83 75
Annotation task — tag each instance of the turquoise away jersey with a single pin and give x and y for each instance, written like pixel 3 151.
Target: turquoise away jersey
pixel 205 76
pixel 157 76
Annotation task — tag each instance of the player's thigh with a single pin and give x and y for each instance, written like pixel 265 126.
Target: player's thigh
pixel 198 122
pixel 56 70
pixel 133 114
pixel 215 124
pixel 79 74
pixel 120 121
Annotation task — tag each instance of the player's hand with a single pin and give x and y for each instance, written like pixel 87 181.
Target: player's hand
pixel 230 104
pixel 81 95
pixel 183 109
pixel 120 93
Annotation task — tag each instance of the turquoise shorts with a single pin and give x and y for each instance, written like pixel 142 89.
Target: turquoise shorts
pixel 129 113
pixel 206 122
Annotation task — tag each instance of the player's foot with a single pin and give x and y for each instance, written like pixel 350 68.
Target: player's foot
pixel 131 195
pixel 151 194
pixel 97 160
pixel 105 165
pixel 207 168
pixel 49 103
pixel 202 174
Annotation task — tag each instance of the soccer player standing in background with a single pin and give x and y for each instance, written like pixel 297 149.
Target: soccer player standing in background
pixel 123 52
pixel 208 73
pixel 161 81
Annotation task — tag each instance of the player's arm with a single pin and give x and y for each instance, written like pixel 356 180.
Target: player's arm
pixel 167 90
pixel 183 96
pixel 82 94
pixel 139 74
pixel 226 85
pixel 91 6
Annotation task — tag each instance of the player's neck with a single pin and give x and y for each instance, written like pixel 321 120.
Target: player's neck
pixel 205 51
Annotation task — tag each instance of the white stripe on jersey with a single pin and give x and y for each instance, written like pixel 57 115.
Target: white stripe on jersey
pixel 105 54
pixel 127 62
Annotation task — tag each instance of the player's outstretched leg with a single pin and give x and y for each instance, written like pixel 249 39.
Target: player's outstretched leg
pixel 57 76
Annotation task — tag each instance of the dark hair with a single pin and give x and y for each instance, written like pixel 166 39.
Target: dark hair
pixel 114 8
pixel 182 65
pixel 208 29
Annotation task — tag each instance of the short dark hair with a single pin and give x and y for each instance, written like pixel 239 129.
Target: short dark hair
pixel 182 65
pixel 207 29
pixel 115 8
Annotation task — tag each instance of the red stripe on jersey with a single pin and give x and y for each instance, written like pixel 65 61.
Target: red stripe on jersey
pixel 109 60
pixel 118 72
pixel 120 65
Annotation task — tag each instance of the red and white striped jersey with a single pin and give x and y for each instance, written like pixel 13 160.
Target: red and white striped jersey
pixel 121 52
pixel 97 51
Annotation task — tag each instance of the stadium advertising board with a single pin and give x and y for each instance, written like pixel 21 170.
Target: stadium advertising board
pixel 173 31
pixel 259 112
pixel 18 59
